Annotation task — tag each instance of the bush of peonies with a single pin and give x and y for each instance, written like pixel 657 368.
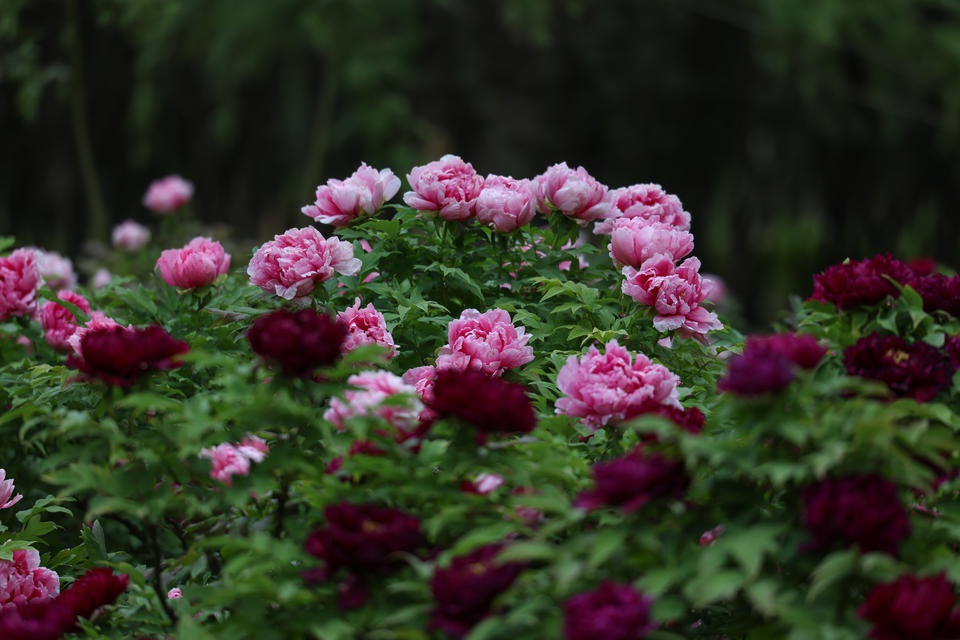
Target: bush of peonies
pixel 505 408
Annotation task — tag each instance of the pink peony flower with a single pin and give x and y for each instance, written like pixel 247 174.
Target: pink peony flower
pixel 254 448
pixel 292 263
pixel 229 460
pixel 647 202
pixel 101 278
pixel 365 326
pixel 341 201
pixel 506 204
pixel 613 386
pixel 58 322
pixel 23 580
pixel 373 389
pixel 168 194
pixel 174 594
pixel 486 342
pixel 7 499
pixel 196 265
pixel 130 236
pixel 633 241
pixel 56 271
pixel 484 484
pixel 448 186
pixel 572 192
pixel 19 281
pixel 422 380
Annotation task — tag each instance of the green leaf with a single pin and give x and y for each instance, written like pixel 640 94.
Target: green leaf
pixel 834 568
pixel 721 585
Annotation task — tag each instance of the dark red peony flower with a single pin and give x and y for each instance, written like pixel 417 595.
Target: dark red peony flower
pixel 952 347
pixel 120 355
pixel 298 341
pixel 611 612
pixel 939 292
pixel 464 592
pixel 757 373
pixel 96 588
pixel 492 405
pixel 915 370
pixel 914 608
pixel 860 282
pixel 689 419
pixel 855 510
pixel 37 620
pixel 634 480
pixel 801 350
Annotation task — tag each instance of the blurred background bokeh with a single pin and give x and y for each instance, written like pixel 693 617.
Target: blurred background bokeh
pixel 796 132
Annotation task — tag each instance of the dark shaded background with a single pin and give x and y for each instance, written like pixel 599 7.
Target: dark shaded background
pixel 797 132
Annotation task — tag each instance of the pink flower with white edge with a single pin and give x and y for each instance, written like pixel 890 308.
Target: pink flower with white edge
pixel 168 194
pixel 633 241
pixel 373 388
pixel 58 322
pixel 23 580
pixel 294 262
pixel 365 326
pixel 448 186
pixel 487 342
pixel 675 294
pixel 130 236
pixel 19 281
pixel 603 388
pixel 485 483
pixel 573 192
pixel 339 202
pixel 648 202
pixel 196 265
pixel 505 203
pixel 174 594
pixel 229 460
pixel 254 448
pixel 56 271
pixel 7 499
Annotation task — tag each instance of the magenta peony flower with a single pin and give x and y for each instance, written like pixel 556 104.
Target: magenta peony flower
pixel 862 510
pixel 487 342
pixel 756 373
pixel 633 241
pixel 119 355
pixel 130 236
pixel 56 271
pixel 610 387
pixel 299 341
pixel 45 619
pixel 96 588
pixel 611 612
pixel 912 607
pixel 506 204
pixel 373 389
pixel 939 292
pixel 675 294
pixel 292 263
pixel 229 460
pixel 448 186
pixel 631 482
pixel 168 194
pixel 860 282
pixel 647 202
pixel 492 405
pixel 915 370
pixel 339 202
pixel 573 192
pixel 7 499
pixel 23 580
pixel 58 322
pixel 19 281
pixel 800 350
pixel 365 326
pixel 196 265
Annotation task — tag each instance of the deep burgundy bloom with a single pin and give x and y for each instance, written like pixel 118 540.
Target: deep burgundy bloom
pixel 801 350
pixel 863 510
pixel 492 405
pixel 96 588
pixel 915 370
pixel 912 607
pixel 36 620
pixel 611 612
pixel 120 355
pixel 634 480
pixel 860 282
pixel 464 592
pixel 757 373
pixel 690 419
pixel 298 341
pixel 939 292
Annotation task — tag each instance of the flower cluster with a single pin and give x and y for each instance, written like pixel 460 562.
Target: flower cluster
pixel 373 388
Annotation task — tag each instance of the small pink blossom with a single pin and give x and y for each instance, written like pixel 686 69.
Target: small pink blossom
pixel 254 448
pixel 373 388
pixel 633 241
pixel 505 203
pixel 168 194
pixel 7 499
pixel 56 271
pixel 339 202
pixel 196 265
pixel 365 326
pixel 487 342
pixel 19 281
pixel 448 186
pixel 572 192
pixel 23 580
pixel 292 263
pixel 101 278
pixel 365 245
pixel 58 322
pixel 484 484
pixel 422 380
pixel 613 386
pixel 174 594
pixel 229 460
pixel 648 202
pixel 675 294
pixel 130 236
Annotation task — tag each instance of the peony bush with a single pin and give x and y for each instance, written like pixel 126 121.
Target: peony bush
pixel 503 408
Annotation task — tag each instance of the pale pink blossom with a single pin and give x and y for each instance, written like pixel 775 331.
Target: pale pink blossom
pixel 101 278
pixel 19 281
pixel 572 192
pixel 601 388
pixel 365 245
pixel 254 448
pixel 174 594
pixel 292 263
pixel 130 236
pixel 487 483
pixel 198 264
pixel 365 326
pixel 675 294
pixel 58 322
pixel 564 265
pixel 229 460
pixel 341 201
pixel 448 186
pixel 56 271
pixel 633 241
pixel 648 202
pixel 714 288
pixel 505 203
pixel 168 194
pixel 488 342
pixel 7 499
pixel 369 399
pixel 23 580
pixel 373 275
